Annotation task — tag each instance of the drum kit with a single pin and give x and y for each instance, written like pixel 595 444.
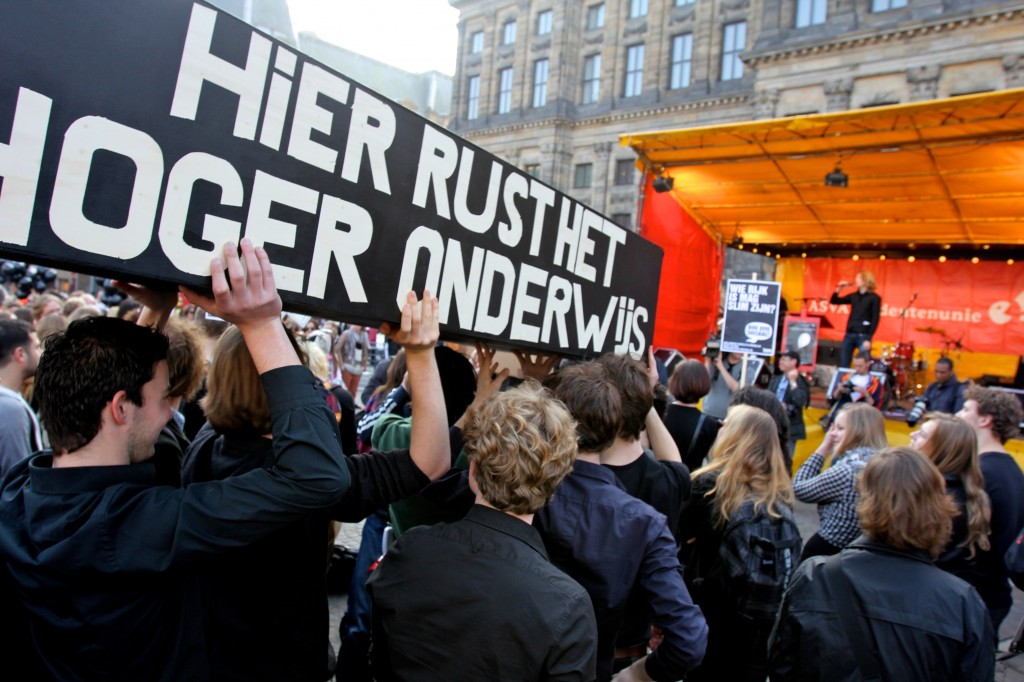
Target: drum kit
pixel 905 368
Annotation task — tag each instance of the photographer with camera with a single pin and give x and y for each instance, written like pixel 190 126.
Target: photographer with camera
pixel 858 386
pixel 725 372
pixel 945 394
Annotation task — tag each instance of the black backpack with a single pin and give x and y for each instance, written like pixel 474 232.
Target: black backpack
pixel 756 559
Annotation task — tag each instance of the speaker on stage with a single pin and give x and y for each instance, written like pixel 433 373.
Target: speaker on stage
pixel 828 352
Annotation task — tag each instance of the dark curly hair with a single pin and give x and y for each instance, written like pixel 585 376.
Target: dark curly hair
pixel 83 367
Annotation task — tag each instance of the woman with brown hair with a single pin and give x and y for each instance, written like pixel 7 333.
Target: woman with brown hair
pixel 745 483
pixel 880 609
pixel 952 445
pixel 266 613
pixel 857 433
pixel 692 430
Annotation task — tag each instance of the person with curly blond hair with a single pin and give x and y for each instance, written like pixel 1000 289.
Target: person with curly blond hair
pixel 478 599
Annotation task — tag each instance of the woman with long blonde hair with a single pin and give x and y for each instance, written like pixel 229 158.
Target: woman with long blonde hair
pixel 951 444
pixel 743 465
pixel 745 480
pixel 854 437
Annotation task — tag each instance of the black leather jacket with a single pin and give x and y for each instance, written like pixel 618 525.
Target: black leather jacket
pixel 925 623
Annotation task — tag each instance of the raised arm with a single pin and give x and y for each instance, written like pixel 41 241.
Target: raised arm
pixel 418 333
pixel 248 299
pixel 662 443
pixel 536 366
pixel 811 484
pixel 157 304
pixel 488 380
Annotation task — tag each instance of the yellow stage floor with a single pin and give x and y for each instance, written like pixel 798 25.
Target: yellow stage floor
pixel 897 431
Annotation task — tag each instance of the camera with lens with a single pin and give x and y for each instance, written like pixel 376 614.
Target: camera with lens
pixel 848 385
pixel 713 346
pixel 920 406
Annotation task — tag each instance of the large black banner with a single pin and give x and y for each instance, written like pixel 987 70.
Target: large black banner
pixel 136 137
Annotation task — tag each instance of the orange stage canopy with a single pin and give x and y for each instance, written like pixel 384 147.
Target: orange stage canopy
pixel 946 172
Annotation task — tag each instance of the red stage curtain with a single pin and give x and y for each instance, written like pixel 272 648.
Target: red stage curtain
pixel 690 274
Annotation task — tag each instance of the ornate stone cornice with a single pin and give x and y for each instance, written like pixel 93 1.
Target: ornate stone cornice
pixel 874 36
pixel 610 117
pixel 733 6
pixel 633 29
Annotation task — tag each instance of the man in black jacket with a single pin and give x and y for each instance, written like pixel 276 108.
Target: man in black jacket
pixel 918 622
pixel 865 307
pixel 100 556
pixel 793 391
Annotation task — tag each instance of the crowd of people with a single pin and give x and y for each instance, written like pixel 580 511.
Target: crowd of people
pixel 172 484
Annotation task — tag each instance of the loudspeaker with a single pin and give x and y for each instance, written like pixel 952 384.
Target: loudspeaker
pixel 828 352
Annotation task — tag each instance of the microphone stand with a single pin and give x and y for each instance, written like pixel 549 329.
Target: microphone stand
pixel 903 315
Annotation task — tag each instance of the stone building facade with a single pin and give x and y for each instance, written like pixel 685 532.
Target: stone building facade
pixel 549 85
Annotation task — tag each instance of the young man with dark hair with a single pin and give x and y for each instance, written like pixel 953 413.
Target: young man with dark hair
pixel 996 416
pixel 20 435
pixel 102 558
pixel 618 547
pixel 658 477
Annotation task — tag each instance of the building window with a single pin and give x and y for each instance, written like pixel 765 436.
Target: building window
pixel 476 42
pixel 473 101
pixel 540 83
pixel 637 8
pixel 680 3
pixel 734 40
pixel 682 60
pixel 591 79
pixel 508 33
pixel 532 169
pixel 595 16
pixel 810 13
pixel 544 20
pixel 624 169
pixel 505 91
pixel 634 71
pixel 622 219
pixel 583 175
pixel 886 5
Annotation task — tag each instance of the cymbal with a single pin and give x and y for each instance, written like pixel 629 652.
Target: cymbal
pixel 931 330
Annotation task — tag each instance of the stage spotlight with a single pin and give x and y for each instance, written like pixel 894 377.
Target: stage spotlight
pixel 663 184
pixel 837 178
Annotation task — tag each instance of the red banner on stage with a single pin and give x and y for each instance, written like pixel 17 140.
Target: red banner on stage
pixel 690 274
pixel 980 306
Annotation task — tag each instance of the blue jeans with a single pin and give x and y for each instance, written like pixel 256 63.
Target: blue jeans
pixel 851 342
pixel 357 621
